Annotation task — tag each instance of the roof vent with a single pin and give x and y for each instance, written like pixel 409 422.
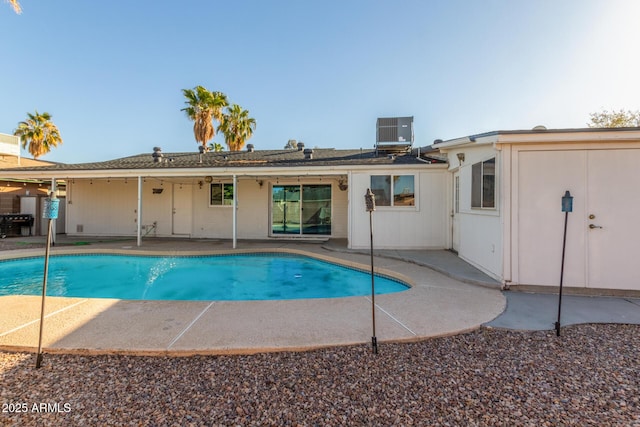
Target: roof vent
pixel 157 154
pixel 308 153
pixel 437 141
pixel 250 148
pixel 300 146
pixel 539 128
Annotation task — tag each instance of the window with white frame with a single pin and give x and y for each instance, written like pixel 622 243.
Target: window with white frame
pixel 221 194
pixel 483 184
pixel 394 190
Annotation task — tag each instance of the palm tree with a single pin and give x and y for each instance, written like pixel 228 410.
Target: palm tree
pixel 216 147
pixel 237 127
pixel 203 107
pixel 39 132
pixel 16 6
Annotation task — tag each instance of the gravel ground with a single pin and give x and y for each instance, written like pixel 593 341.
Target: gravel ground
pixel 590 376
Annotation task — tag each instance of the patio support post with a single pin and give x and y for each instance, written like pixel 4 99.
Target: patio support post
pixel 235 211
pixel 139 219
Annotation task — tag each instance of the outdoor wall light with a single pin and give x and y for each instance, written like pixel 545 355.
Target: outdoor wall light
pixel 460 157
pixel 208 179
pixel 567 202
pixel 260 183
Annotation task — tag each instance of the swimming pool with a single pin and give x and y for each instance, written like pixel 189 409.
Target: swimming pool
pixel 201 278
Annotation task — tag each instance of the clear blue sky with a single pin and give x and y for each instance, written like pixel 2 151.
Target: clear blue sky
pixel 111 72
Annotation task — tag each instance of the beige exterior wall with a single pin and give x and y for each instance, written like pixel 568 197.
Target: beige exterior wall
pixel 99 207
pixel 422 226
pixel 480 230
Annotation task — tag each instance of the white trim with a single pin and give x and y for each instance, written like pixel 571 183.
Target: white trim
pixel 253 172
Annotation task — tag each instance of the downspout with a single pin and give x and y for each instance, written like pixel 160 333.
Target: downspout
pixel 235 211
pixel 139 219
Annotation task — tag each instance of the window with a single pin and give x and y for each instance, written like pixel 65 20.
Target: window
pixel 221 195
pixel 393 190
pixel 301 209
pixel 483 184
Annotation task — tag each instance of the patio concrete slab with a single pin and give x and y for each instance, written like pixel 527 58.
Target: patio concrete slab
pixel 533 311
pixel 18 311
pixel 294 324
pixel 125 325
pixel 62 317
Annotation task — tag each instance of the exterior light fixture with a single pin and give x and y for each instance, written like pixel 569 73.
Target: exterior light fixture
pixel 460 157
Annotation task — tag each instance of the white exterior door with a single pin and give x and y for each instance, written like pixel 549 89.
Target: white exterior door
pixel 182 210
pixel 603 228
pixel 613 219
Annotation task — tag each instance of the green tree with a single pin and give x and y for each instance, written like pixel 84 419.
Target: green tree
pixel 16 6
pixel 216 147
pixel 203 107
pixel 237 127
pixel 39 133
pixel 615 119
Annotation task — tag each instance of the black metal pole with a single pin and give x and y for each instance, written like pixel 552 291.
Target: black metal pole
pixel 374 340
pixel 564 244
pixel 44 293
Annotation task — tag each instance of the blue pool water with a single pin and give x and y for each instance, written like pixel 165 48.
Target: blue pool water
pixel 209 278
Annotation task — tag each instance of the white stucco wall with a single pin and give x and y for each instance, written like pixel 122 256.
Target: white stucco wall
pixel 480 230
pixel 417 227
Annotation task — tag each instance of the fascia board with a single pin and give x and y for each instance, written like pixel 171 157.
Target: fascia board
pixel 200 172
pixel 584 136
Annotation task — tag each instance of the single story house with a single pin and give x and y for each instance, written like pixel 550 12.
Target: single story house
pixel 506 213
pixel 265 194
pixel 494 198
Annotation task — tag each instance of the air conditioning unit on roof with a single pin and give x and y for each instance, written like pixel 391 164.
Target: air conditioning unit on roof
pixel 394 134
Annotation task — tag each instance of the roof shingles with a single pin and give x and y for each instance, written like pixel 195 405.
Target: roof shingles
pixel 261 158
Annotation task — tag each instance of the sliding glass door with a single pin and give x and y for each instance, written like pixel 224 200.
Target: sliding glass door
pixel 285 210
pixel 301 209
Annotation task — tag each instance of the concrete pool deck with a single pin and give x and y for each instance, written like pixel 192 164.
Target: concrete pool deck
pixel 436 305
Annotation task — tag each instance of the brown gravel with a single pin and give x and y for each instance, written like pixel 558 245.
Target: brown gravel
pixel 590 376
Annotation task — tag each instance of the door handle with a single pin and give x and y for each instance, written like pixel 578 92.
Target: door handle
pixel 592 226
